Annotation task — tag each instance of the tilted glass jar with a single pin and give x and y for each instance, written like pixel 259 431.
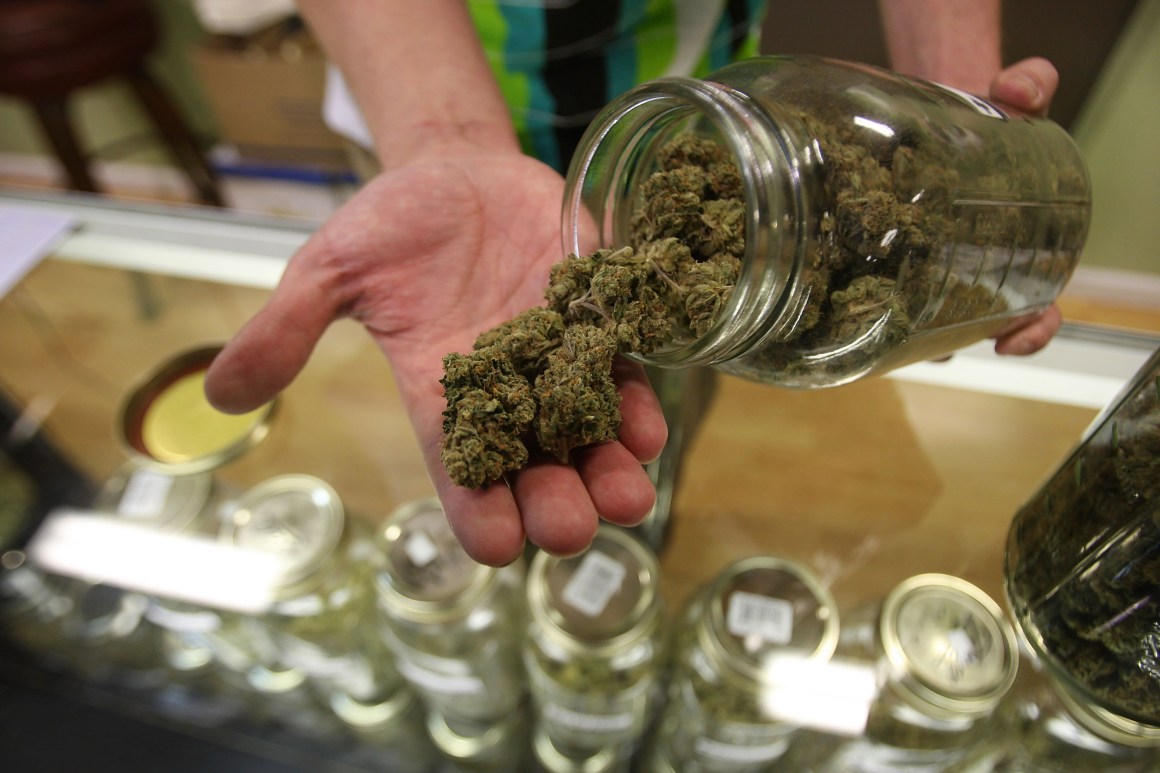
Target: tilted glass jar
pixel 1083 564
pixel 945 657
pixel 759 617
pixel 455 626
pixel 886 220
pixel 1046 731
pixel 595 644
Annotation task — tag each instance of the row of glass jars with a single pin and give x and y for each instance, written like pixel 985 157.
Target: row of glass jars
pixel 574 652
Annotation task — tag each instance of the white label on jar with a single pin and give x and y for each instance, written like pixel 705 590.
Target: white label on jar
pixel 753 615
pixel 730 752
pixel 420 549
pixel 304 606
pixel 597 580
pixel 145 494
pixel 982 106
pixel 444 684
pixel 579 720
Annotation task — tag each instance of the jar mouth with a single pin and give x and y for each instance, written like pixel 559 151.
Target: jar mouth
pixel 644 118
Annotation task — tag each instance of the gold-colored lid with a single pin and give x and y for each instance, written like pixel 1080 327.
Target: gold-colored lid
pixel 425 573
pixel 949 648
pixel 763 606
pixel 167 422
pixel 484 741
pixel 555 761
pixel 601 600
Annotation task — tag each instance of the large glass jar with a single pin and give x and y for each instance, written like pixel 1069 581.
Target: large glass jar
pixel 595 645
pixel 945 657
pixel 861 219
pixel 1083 564
pixel 455 626
pixel 761 618
pixel 1046 731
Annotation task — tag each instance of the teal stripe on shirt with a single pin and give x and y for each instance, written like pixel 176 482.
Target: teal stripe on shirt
pixel 623 60
pixel 527 31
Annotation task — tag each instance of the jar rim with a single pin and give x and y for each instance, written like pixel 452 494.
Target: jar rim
pixel 766 268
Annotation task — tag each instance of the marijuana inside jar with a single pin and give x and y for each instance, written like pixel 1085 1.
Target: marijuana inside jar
pixel 761 618
pixel 594 648
pixel 853 220
pixel 1083 564
pixel 792 220
pixel 946 658
pixel 454 626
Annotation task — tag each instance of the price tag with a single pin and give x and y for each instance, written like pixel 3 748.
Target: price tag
pixel 597 580
pixel 750 614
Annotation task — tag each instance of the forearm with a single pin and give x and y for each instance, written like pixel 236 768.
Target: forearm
pixel 418 73
pixel 955 42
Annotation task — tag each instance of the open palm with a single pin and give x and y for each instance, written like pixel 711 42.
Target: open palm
pixel 426 257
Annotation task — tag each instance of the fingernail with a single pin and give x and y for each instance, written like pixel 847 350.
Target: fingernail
pixel 1028 87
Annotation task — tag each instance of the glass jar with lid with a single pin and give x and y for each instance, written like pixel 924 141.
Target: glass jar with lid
pixel 740 633
pixel 595 646
pixel 1083 564
pixel 390 733
pixel 945 657
pixel 818 221
pixel 455 626
pixel 317 623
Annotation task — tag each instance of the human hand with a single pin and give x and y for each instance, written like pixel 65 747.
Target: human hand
pixel 427 257
pixel 1027 87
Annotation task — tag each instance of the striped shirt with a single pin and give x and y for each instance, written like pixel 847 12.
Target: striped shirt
pixel 558 62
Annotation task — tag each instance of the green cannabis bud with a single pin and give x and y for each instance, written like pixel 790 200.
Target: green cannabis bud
pixel 542 381
pixel 577 399
pixel 489 408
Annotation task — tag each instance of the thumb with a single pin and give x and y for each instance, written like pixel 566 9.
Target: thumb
pixel 1027 86
pixel 272 348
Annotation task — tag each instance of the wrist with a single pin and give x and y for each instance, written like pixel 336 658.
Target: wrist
pixel 405 143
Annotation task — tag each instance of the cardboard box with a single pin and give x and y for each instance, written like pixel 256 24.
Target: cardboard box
pixel 267 95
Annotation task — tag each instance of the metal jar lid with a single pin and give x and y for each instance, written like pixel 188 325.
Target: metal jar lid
pixel 367 716
pixel 552 760
pixel 763 606
pixel 166 421
pixel 425 575
pixel 149 495
pixel 296 517
pixel 600 601
pixel 485 742
pixel 950 650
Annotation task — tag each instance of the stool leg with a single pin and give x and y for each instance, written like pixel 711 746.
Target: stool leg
pixel 176 134
pixel 53 114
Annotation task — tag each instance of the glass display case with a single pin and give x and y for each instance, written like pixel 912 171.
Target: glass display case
pixel 865 485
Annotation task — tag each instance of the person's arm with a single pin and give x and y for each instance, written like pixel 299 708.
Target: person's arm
pixel 955 42
pixel 417 72
pixel 958 43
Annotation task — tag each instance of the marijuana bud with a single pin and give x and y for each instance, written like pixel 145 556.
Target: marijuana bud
pixel 489 408
pixel 526 339
pixel 577 399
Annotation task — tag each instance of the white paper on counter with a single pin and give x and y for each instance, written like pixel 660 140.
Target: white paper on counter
pixel 26 236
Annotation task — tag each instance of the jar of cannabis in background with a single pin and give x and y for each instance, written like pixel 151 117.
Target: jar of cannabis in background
pixel 945 657
pixel 1083 564
pixel 1047 731
pixel 322 598
pixel 595 644
pixel 761 616
pixel 885 220
pixel 454 626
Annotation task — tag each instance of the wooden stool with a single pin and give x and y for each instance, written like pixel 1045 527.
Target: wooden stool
pixel 51 48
